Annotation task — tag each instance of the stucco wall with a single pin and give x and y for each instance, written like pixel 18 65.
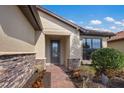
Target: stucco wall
pixel 16 33
pixel 56 27
pixel 104 42
pixel 40 45
pixel 117 45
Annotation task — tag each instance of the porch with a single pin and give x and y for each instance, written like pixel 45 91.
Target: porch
pixel 57 49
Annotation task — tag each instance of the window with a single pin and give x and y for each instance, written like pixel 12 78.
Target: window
pixel 90 45
pixel 87 43
pixel 96 43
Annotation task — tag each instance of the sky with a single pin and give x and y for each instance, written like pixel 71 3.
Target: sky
pixel 99 17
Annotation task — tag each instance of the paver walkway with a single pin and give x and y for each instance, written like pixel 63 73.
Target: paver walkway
pixel 57 78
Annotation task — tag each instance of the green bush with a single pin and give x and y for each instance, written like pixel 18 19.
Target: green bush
pixel 107 58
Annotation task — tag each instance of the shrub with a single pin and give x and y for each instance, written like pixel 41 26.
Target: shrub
pixel 107 58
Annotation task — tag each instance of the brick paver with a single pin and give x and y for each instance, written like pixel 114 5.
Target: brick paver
pixel 57 78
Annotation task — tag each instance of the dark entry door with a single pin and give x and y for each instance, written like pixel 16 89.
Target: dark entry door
pixel 55 51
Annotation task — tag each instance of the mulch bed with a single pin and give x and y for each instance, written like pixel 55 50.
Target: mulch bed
pixel 38 83
pixel 39 80
pixel 87 83
pixel 93 81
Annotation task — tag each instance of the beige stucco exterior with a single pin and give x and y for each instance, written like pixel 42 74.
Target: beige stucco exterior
pixel 40 45
pixel 18 36
pixel 25 51
pixel 117 45
pixel 68 36
pixel 16 33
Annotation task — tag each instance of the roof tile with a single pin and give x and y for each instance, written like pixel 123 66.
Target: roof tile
pixel 118 36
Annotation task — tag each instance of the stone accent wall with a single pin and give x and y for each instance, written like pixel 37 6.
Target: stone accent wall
pixel 73 64
pixel 15 70
pixel 40 61
pixel 39 73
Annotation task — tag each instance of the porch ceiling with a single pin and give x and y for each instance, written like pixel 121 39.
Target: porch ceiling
pixel 57 36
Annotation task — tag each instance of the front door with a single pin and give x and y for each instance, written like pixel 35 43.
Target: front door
pixel 55 51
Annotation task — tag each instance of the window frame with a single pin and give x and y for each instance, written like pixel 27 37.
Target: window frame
pixel 82 46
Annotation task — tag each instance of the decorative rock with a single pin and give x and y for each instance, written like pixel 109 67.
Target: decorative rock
pixel 73 64
pixel 104 79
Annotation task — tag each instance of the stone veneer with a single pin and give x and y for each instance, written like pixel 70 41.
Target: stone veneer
pixel 73 64
pixel 41 62
pixel 16 69
pixel 39 72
